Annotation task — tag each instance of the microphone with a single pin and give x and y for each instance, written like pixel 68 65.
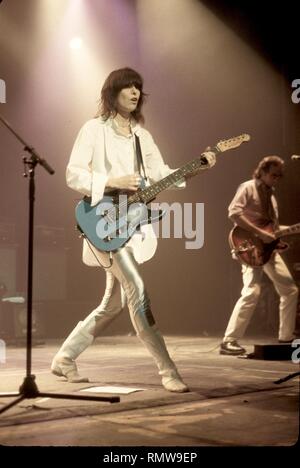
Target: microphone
pixel 295 157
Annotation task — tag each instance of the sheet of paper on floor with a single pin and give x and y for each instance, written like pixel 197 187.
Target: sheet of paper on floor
pixel 112 389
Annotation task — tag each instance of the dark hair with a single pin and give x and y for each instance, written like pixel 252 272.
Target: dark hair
pixel 265 164
pixel 114 83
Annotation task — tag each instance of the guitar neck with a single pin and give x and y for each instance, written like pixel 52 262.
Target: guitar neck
pixel 294 229
pixel 191 169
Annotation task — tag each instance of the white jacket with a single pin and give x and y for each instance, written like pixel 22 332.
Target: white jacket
pixel 93 161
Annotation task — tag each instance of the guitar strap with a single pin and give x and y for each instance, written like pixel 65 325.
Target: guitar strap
pixel 265 196
pixel 139 156
pixel 140 164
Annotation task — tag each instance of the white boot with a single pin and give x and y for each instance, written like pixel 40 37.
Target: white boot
pixel 171 380
pixel 63 363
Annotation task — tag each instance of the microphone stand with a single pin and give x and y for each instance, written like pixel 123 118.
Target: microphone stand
pixel 29 388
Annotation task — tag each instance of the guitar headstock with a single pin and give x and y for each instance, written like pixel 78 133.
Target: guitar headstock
pixel 235 142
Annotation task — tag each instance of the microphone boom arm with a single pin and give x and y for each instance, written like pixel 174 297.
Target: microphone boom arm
pixel 36 158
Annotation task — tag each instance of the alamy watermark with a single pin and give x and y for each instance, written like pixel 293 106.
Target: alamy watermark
pixel 176 220
pixel 2 92
pixel 296 93
pixel 296 353
pixel 188 223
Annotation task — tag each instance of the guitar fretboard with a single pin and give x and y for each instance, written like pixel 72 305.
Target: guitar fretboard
pixel 294 229
pixel 148 194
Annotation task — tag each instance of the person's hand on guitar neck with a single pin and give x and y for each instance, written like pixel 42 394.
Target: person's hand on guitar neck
pixel 208 159
pixel 209 156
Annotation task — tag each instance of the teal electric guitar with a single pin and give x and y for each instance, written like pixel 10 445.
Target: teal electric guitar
pixel 111 223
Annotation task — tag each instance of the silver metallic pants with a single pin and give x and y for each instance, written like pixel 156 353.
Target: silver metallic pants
pixel 123 282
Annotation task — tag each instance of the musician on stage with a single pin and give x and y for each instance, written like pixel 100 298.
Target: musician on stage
pixel 253 207
pixel 104 160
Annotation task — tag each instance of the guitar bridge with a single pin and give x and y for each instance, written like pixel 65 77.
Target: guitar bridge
pixel 243 247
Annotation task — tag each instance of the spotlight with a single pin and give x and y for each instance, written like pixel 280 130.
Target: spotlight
pixel 75 43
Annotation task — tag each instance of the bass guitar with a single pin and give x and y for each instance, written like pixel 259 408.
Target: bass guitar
pixel 251 250
pixel 112 222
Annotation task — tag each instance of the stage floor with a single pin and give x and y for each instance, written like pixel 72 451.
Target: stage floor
pixel 233 401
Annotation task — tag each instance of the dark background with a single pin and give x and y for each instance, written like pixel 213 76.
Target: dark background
pixel 212 71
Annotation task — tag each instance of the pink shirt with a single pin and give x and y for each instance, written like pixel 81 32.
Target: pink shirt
pixel 252 201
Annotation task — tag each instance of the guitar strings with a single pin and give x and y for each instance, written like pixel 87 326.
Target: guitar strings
pixel 110 215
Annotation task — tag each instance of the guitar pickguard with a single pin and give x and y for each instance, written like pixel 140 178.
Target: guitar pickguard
pixel 107 227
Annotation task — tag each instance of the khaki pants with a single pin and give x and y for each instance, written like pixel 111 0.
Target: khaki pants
pixel 285 286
